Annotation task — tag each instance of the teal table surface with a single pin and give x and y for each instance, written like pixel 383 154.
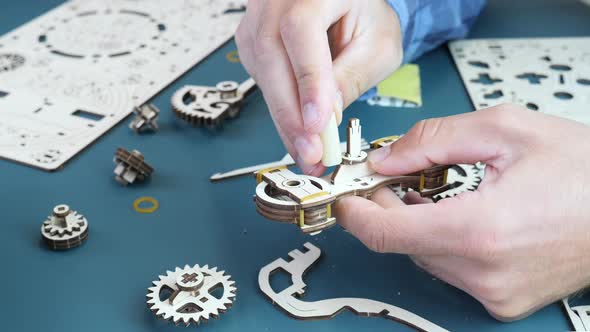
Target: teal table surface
pixel 101 286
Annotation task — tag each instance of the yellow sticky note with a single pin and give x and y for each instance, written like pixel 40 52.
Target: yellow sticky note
pixel 404 84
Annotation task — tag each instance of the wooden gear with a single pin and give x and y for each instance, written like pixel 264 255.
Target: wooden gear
pixel 64 229
pixel 131 166
pixel 210 106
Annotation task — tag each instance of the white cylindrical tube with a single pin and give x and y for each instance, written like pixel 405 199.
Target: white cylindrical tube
pixel 332 154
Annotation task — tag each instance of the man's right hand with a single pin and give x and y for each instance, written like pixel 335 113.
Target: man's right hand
pixel 310 57
pixel 519 242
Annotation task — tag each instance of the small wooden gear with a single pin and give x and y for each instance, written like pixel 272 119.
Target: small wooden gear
pixel 306 201
pixel 64 229
pixel 131 166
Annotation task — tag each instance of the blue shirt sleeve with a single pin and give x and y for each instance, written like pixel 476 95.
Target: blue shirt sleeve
pixel 426 24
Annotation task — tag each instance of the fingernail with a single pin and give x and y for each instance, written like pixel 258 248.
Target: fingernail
pixel 379 155
pixel 338 118
pixel 310 170
pixel 311 115
pixel 339 101
pixel 339 107
pixel 304 148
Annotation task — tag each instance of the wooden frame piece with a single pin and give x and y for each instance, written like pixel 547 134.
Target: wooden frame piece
pixel 289 299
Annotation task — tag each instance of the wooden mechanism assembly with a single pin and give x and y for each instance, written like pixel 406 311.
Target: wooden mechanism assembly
pixel 210 106
pixel 306 201
pixel 146 118
pixel 131 166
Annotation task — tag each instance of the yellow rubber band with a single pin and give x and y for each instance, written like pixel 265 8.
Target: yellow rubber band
pixel 422 180
pixel 301 218
pixel 312 196
pixel 266 170
pixel 151 209
pixel 233 57
pixel 376 143
pixel 445 176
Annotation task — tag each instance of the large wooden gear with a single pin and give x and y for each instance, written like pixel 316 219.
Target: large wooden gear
pixel 210 106
pixel 306 201
pixel 187 295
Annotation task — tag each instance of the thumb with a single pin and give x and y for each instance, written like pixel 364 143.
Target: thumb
pixel 466 138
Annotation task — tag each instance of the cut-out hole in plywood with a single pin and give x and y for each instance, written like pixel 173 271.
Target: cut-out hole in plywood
pixel 548 75
pixel 88 115
pixel 560 67
pixel 494 94
pixel 479 64
pixel 532 106
pixel 563 95
pixel 532 78
pixel 486 79
pixel 280 280
pixel 96 60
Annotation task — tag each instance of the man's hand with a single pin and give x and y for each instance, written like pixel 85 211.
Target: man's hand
pixel 518 243
pixel 310 57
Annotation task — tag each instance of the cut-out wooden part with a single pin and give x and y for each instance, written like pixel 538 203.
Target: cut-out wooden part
pixel 191 295
pixel 64 229
pixel 286 161
pixel 579 316
pixel 548 75
pixel 100 58
pixel 289 298
pixel 210 106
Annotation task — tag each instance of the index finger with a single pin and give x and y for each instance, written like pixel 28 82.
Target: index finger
pixel 275 77
pixel 304 31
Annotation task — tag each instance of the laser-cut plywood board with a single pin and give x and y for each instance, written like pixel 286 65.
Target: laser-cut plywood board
pixel 70 75
pixel 549 75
